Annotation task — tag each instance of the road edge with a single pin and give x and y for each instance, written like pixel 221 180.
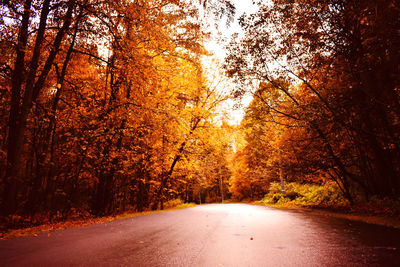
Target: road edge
pixel 370 219
pixel 48 228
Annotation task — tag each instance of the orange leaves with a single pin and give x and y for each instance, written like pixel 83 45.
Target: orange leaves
pixel 126 103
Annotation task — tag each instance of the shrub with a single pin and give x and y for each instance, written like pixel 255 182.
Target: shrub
pixel 305 194
pixel 173 203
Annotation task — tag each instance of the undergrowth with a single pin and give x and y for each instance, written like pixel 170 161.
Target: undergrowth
pixel 327 196
pixel 304 195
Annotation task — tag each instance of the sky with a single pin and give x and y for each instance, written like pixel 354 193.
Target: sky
pixel 242 6
pixel 215 45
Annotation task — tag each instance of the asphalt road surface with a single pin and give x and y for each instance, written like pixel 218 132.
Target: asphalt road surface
pixel 212 235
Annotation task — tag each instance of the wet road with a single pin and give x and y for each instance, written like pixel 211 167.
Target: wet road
pixel 212 235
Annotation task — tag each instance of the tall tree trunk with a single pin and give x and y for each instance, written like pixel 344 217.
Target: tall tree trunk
pixel 9 204
pixel 19 112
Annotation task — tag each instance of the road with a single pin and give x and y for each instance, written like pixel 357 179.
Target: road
pixel 212 235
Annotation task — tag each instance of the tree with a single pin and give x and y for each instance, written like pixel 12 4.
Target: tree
pixel 106 115
pixel 343 93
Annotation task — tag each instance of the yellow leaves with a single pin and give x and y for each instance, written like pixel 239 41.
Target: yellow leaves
pixel 182 181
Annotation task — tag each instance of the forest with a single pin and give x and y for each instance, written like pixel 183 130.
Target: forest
pixel 106 106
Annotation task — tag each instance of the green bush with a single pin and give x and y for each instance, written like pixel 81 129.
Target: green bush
pixel 305 194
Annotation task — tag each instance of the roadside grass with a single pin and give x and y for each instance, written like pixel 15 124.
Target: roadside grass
pixel 76 223
pixel 325 200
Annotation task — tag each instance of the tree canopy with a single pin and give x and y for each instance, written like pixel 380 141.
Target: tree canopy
pixel 105 106
pixel 327 75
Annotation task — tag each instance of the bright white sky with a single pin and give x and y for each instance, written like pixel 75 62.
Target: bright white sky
pixel 216 46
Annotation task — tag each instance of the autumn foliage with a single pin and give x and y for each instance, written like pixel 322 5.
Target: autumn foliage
pixel 104 108
pixel 326 101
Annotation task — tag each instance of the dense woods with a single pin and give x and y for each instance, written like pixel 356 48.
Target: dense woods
pixel 326 97
pixel 105 106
